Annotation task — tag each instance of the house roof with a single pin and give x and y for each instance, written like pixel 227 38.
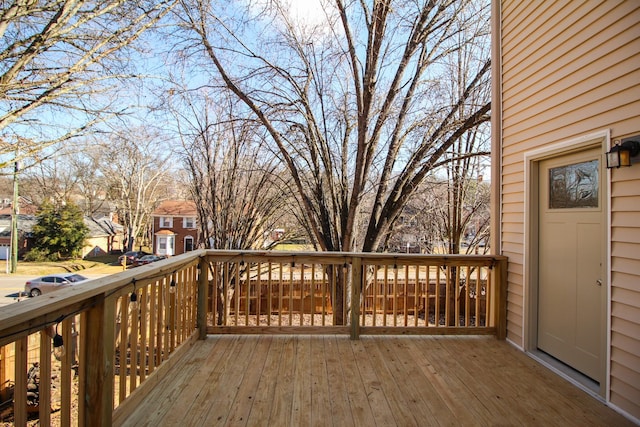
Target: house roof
pixel 166 232
pixel 25 207
pixel 25 224
pixel 176 208
pixel 97 227
pixel 102 227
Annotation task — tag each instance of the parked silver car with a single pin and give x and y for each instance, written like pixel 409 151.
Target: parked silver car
pixel 51 283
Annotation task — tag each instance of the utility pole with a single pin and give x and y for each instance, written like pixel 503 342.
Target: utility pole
pixel 14 221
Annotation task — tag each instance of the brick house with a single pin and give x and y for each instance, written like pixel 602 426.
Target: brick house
pixel 175 227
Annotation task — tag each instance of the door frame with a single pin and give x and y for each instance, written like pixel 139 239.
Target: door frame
pixel 532 159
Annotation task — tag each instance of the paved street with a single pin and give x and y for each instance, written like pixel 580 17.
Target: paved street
pixel 12 286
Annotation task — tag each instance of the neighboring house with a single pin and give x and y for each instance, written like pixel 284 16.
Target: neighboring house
pixel 175 228
pixel 567 88
pixel 26 207
pixel 105 236
pixel 25 237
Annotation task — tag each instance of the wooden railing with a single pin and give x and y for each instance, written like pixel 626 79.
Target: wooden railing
pixel 113 343
pixel 118 346
pixel 271 292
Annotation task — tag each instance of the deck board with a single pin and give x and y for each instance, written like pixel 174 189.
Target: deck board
pixel 260 380
pixel 266 388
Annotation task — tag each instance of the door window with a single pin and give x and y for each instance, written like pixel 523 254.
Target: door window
pixel 574 186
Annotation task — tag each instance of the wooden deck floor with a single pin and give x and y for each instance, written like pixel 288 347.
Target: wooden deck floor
pixel 384 381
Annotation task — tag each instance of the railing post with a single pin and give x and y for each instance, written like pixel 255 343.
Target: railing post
pixel 356 290
pixel 96 363
pixel 3 373
pixel 500 298
pixel 203 297
pixel 20 375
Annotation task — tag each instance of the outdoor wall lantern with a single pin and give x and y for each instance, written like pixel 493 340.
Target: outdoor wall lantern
pixel 622 153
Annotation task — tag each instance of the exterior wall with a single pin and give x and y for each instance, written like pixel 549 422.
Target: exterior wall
pixel 570 69
pixel 97 246
pixel 24 245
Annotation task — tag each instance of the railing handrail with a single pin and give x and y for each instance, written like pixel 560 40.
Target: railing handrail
pixel 340 257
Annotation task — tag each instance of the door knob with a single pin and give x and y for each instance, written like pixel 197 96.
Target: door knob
pixel 599 282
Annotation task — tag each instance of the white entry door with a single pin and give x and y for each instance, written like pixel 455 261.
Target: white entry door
pixel 571 261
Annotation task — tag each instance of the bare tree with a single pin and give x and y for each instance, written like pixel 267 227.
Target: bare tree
pixel 355 106
pixel 464 218
pixel 235 182
pixel 136 167
pixel 51 181
pixel 67 175
pixel 90 182
pixel 358 107
pixel 448 214
pixel 61 64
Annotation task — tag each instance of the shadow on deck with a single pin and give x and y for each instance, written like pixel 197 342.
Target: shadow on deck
pixel 269 380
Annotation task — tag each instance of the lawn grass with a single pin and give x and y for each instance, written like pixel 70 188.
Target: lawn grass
pixel 107 264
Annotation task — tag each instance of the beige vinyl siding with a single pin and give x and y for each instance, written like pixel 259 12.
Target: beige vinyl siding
pixel 569 69
pixel 625 292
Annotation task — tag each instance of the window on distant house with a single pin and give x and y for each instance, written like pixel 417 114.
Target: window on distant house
pixel 166 222
pixel 189 222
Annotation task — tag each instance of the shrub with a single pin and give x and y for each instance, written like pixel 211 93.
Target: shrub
pixel 40 255
pixel 60 230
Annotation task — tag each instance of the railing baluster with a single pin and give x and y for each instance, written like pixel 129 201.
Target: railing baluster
pixel 405 298
pixel 144 321
pixel 236 293
pixel 312 285
pixel 124 327
pixel 182 296
pixel 269 292
pixel 133 346
pixel 438 297
pixel 291 294
pixel 479 272
pixel 153 319
pixel 20 386
pixel 280 293
pixel 426 299
pixel 394 291
pixel 258 292
pixel 416 295
pixel 70 342
pixel 456 289
pixel 385 294
pixel 467 301
pixel 301 296
pixel 44 389
pixel 246 286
